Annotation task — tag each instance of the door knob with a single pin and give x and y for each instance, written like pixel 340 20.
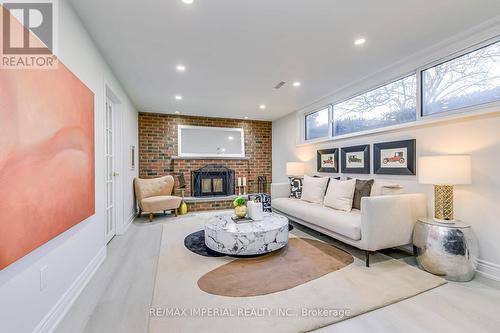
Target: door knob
pixel 115 174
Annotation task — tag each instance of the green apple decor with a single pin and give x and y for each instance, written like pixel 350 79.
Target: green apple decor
pixel 240 208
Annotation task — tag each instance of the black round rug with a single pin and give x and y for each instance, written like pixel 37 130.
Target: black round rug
pixel 195 243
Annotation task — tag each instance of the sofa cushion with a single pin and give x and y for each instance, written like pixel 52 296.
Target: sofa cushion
pixel 381 187
pixel 340 222
pixel 160 203
pixel 314 188
pixel 340 193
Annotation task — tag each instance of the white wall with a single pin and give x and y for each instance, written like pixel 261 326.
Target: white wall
pixel 476 204
pixel 71 257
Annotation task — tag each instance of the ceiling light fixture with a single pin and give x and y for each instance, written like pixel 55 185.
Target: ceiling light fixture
pixel 297 84
pixel 246 117
pixel 181 68
pixel 178 97
pixel 188 2
pixel 230 137
pixel 262 106
pixel 177 112
pixel 359 41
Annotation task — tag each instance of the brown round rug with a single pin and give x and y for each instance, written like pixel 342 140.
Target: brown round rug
pixel 303 260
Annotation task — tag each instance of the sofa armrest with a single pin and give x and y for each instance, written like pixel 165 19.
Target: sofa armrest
pixel 387 221
pixel 280 190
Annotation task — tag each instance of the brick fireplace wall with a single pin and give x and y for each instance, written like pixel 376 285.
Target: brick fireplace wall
pixel 158 147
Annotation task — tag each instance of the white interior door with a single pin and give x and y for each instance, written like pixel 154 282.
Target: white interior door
pixel 110 230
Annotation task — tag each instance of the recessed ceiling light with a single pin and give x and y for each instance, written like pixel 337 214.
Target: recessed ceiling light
pixel 262 106
pixel 177 112
pixel 188 2
pixel 230 137
pixel 359 41
pixel 246 117
pixel 181 68
pixel 178 97
pixel 296 84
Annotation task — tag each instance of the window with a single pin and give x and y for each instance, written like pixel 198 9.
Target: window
pixel 317 124
pixel 392 104
pixel 200 141
pixel 471 79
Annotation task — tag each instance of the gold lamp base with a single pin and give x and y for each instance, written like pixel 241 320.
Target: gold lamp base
pixel 443 204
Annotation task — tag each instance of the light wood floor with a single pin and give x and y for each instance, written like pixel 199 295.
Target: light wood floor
pixel 117 298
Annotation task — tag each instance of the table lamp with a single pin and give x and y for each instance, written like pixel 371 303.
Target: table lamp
pixel 443 172
pixel 295 169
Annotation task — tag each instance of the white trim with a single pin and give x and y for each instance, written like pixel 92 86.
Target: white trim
pixel 488 270
pixel 228 129
pixel 123 230
pixel 56 314
pixel 479 110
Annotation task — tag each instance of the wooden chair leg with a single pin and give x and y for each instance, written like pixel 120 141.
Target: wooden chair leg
pixel 140 212
pixel 176 212
pixel 164 212
pixel 150 217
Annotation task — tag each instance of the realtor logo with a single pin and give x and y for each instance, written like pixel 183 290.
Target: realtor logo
pixel 29 34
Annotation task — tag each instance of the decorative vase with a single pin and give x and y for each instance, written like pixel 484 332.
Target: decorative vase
pixel 183 208
pixel 240 211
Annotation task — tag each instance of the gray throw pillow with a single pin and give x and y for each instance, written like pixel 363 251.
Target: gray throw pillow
pixel 363 189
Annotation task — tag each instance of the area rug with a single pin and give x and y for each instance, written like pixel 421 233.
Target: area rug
pixel 303 260
pixel 179 305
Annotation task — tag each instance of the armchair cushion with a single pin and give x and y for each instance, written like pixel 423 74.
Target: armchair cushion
pixel 159 203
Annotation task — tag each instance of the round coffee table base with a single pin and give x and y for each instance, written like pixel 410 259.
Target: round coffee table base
pixel 223 235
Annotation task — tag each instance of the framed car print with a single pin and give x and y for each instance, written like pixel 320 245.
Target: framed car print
pixel 328 160
pixel 355 159
pixel 395 158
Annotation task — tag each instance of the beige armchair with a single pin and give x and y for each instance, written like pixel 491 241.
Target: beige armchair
pixel 154 195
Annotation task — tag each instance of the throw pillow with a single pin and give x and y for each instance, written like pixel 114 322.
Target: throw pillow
pixel 386 188
pixel 363 189
pixel 340 194
pixel 295 187
pixel 313 189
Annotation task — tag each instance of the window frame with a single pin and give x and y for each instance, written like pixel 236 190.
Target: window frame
pixel 451 57
pixel 330 117
pixel 398 78
pixel 469 111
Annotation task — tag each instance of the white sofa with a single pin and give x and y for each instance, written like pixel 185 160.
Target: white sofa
pixel 384 221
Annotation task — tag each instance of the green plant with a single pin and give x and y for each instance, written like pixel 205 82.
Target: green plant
pixel 239 201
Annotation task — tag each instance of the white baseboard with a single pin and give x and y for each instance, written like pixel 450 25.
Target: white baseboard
pixel 130 219
pixel 488 270
pixel 59 310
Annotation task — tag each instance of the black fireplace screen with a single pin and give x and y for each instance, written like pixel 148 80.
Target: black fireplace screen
pixel 212 180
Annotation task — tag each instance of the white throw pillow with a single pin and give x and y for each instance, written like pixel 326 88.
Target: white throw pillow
pixel 313 189
pixel 340 194
pixel 386 188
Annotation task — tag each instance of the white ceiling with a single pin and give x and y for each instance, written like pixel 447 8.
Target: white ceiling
pixel 236 51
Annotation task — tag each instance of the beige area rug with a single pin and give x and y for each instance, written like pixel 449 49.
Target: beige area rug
pixel 303 260
pixel 179 305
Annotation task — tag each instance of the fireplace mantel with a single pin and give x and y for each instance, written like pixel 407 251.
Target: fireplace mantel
pixel 209 158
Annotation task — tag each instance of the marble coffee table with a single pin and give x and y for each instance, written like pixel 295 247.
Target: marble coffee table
pixel 224 235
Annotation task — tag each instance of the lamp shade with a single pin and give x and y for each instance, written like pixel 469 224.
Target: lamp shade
pixel 294 169
pixel 444 170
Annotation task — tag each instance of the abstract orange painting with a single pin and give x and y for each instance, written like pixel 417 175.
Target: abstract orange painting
pixel 46 157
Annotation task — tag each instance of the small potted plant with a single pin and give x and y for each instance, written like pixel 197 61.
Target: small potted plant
pixel 240 208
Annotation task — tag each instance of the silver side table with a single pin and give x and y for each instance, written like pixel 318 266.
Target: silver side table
pixel 449 250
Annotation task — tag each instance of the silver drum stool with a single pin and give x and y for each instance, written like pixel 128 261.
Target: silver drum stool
pixel 449 250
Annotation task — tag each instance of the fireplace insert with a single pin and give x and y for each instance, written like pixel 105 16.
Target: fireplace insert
pixel 212 180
